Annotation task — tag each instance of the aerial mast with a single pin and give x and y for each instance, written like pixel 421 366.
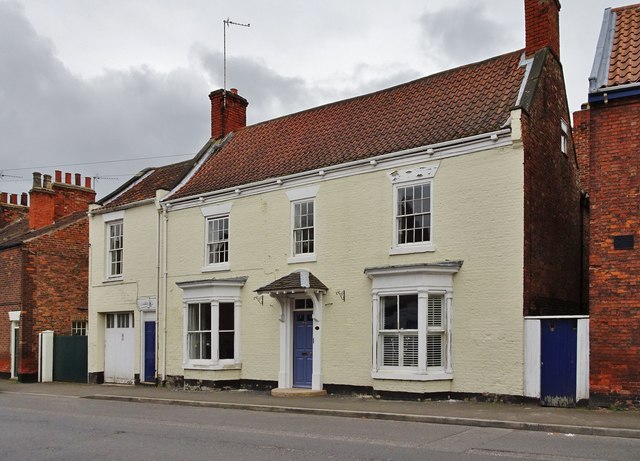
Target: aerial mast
pixel 226 23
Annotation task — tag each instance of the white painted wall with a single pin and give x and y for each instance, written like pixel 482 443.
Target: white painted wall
pixel 139 280
pixel 478 218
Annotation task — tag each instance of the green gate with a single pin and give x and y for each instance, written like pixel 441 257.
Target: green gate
pixel 70 358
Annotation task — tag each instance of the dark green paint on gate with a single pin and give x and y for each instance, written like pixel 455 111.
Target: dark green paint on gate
pixel 70 358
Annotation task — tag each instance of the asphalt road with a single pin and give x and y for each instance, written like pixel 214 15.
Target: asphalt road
pixel 43 427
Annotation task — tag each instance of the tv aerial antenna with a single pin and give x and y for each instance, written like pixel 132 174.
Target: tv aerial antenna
pixel 226 23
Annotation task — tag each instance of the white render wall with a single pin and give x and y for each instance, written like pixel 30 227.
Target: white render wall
pixel 477 218
pixel 139 280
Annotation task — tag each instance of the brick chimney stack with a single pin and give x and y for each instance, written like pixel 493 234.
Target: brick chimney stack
pixel 12 208
pixel 51 201
pixel 42 209
pixel 71 194
pixel 542 26
pixel 228 112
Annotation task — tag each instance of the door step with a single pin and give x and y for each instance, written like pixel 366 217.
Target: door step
pixel 297 392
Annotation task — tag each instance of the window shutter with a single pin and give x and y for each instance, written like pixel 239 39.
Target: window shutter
pixel 410 351
pixel 390 351
pixel 434 350
pixel 434 315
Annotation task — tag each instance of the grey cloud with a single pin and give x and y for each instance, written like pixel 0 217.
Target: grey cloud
pixel 271 94
pixel 48 116
pixel 470 32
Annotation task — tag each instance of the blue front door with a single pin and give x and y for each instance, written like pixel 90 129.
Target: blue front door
pixel 149 351
pixel 558 341
pixel 302 348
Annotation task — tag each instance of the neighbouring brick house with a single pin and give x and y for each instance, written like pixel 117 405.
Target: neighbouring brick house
pixel 422 239
pixel 607 136
pixel 44 254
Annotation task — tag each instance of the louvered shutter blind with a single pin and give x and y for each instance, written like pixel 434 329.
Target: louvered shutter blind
pixel 434 315
pixel 434 350
pixel 410 351
pixel 390 351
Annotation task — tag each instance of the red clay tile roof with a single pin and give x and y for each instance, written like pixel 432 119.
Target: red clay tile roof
pixel 624 62
pixel 462 102
pixel 147 182
pixel 18 231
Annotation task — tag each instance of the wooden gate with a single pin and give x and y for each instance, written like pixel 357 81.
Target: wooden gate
pixel 558 362
pixel 70 358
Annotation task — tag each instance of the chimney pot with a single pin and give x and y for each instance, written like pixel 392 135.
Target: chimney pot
pixel 37 180
pixel 24 199
pixel 13 199
pixel 78 179
pixel 46 182
pixel 87 182
pixel 58 176
pixel 67 178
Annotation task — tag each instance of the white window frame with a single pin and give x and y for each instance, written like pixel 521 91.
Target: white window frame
pixel 78 328
pixel 211 214
pixel 296 197
pixel 423 281
pixel 214 292
pixel 111 252
pixel 413 247
pixel 297 230
pixel 564 137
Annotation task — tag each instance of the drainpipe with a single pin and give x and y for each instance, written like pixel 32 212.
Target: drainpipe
pixel 163 243
pixel 158 255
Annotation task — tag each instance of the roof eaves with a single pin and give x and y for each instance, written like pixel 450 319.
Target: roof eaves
pixel 125 206
pixel 601 61
pixel 210 148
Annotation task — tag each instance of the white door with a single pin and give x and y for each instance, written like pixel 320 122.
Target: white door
pixel 118 348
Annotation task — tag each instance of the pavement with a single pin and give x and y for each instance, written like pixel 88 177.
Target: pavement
pixel 581 420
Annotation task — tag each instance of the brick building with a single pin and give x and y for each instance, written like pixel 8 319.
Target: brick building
pixel 607 136
pixel 44 256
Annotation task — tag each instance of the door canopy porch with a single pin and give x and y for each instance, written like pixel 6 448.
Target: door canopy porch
pixel 301 281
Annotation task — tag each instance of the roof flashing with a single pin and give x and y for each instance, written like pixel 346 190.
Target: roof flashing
pixel 600 70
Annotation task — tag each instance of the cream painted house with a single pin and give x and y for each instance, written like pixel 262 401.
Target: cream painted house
pixel 413 240
pixel 124 232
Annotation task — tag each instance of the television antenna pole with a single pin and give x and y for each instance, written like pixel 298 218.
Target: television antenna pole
pixel 226 23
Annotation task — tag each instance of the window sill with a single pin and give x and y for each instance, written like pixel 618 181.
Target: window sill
pixel 411 376
pixel 212 366
pixel 216 267
pixel 302 259
pixel 409 249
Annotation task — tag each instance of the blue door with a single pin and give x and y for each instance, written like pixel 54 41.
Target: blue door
pixel 302 349
pixel 558 343
pixel 149 351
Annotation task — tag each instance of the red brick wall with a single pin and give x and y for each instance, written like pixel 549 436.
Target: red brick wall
pixel 55 288
pixel 10 300
pixel 42 208
pixel 542 26
pixel 11 213
pixel 612 156
pixel 552 246
pixel 225 119
pixel 71 198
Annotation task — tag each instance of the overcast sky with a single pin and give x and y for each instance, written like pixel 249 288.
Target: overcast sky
pixel 86 81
